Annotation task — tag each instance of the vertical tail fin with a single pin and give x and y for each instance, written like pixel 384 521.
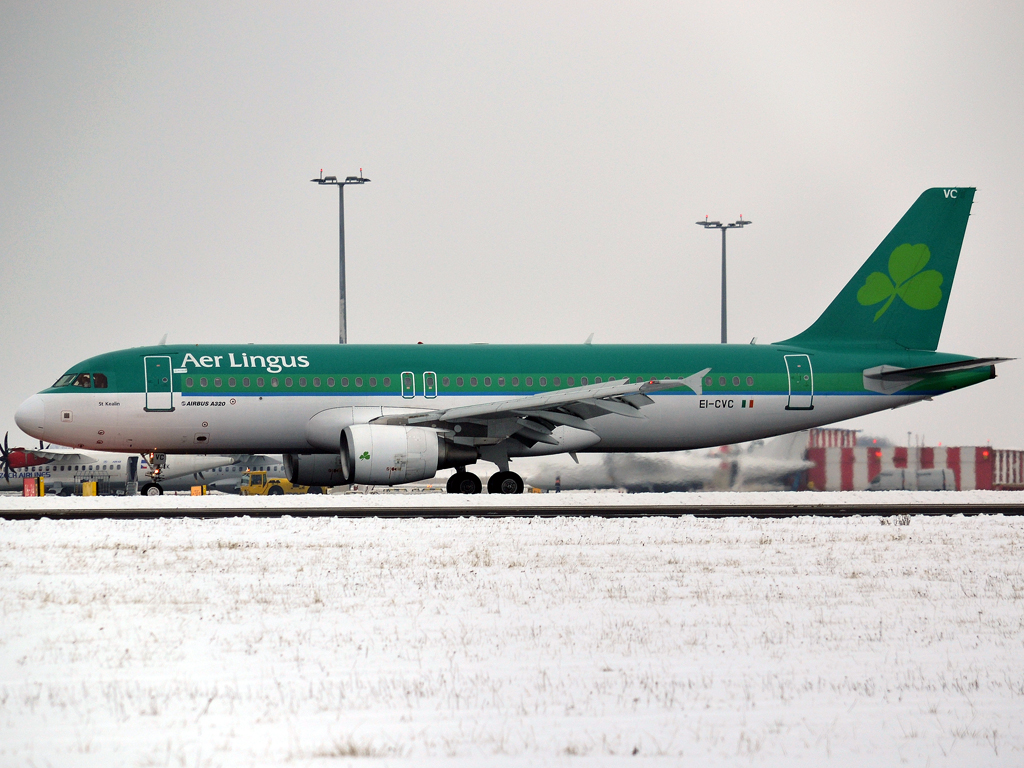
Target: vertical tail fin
pixel 899 296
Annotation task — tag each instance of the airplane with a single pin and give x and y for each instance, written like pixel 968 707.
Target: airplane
pixel 759 466
pixel 62 470
pixel 393 414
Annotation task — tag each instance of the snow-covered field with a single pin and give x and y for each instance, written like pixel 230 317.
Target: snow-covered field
pixel 657 641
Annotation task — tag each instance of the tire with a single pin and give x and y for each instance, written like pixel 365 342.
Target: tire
pixel 464 482
pixel 315 489
pixel 275 490
pixel 151 489
pixel 505 483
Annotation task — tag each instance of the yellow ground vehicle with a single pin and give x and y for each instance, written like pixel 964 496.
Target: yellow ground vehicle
pixel 255 483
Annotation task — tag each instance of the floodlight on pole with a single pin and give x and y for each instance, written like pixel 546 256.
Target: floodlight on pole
pixel 724 227
pixel 333 181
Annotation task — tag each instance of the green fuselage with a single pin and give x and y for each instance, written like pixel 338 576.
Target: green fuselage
pixel 263 398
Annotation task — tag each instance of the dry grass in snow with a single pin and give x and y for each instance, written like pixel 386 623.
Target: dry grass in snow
pixel 512 641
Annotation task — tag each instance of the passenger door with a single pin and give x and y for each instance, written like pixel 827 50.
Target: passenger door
pixel 159 383
pixel 801 383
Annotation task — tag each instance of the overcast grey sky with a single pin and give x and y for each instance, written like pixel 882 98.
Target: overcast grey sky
pixel 537 169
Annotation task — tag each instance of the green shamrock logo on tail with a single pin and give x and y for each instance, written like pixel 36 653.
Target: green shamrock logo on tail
pixel 364 456
pixel 919 290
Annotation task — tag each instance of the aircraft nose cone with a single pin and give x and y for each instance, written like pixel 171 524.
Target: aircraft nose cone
pixel 29 416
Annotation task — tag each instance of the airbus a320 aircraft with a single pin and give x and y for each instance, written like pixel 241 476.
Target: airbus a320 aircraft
pixel 396 414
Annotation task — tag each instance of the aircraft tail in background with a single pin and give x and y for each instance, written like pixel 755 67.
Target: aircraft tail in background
pixel 898 297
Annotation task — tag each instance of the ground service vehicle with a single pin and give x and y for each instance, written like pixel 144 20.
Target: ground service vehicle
pixel 257 484
pixel 909 480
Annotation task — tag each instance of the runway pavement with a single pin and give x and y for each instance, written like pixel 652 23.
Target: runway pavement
pixel 435 505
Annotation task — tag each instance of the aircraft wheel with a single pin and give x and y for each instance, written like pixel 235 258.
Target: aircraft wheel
pixel 505 482
pixel 275 490
pixel 464 482
pixel 152 489
pixel 315 489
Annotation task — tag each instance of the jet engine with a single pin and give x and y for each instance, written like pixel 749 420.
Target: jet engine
pixel 383 454
pixel 323 469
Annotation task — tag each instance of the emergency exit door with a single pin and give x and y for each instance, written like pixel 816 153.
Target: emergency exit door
pixel 159 383
pixel 801 383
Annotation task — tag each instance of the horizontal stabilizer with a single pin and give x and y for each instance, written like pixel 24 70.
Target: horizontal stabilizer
pixel 887 379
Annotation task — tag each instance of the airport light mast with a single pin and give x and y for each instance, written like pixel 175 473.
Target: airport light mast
pixel 333 180
pixel 724 227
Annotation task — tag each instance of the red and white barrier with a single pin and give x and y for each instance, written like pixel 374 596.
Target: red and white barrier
pixel 974 467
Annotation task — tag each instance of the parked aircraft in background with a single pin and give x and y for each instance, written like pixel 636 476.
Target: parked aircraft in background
pixel 763 465
pixel 387 415
pixel 62 470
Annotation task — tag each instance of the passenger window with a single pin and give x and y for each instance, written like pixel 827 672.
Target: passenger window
pixel 259 382
pixel 83 381
pixel 216 382
pixel 387 381
pixel 189 381
pixel 359 381
pixel 487 381
pixel 245 382
pixel 515 381
pixel 750 381
pixel 708 381
pixel 99 380
pixel 570 381
pixel 556 382
pixel 344 381
pixel 273 381
pixel 373 381
pixel 583 381
pixel 529 381
pixel 472 381
pixel 501 381
pixel 316 381
pixel 203 382
pixel 735 381
pixel 302 382
pixel 330 381
pixel 721 381
pixel 288 381
pixel 543 381
pixel 597 379
pixel 232 382
pixel 459 381
pixel 446 381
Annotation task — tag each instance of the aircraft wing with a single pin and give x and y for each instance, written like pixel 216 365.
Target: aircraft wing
pixel 66 458
pixel 533 418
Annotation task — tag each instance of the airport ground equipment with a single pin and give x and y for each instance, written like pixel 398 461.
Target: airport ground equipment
pixel 256 483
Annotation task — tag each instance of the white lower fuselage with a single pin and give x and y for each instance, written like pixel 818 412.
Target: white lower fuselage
pixel 279 423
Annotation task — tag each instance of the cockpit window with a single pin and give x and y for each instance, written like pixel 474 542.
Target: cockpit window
pixel 64 380
pixel 83 380
pixel 99 380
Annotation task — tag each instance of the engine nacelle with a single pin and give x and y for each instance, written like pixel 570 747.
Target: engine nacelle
pixel 385 454
pixel 322 469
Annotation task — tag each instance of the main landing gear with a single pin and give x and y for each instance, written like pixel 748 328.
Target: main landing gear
pixel 505 482
pixel 499 482
pixel 464 482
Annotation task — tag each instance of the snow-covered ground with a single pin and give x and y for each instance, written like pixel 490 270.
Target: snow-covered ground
pixel 525 641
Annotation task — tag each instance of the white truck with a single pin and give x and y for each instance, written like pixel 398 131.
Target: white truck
pixel 911 480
